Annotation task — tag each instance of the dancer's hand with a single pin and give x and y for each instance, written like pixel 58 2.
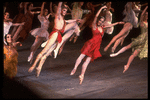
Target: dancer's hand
pixel 121 22
pixel 79 20
pixel 104 7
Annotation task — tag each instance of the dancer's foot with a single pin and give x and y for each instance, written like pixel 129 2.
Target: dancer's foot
pixel 75 39
pixel 30 58
pixel 112 49
pixel 81 77
pixel 105 49
pixel 113 55
pixel 44 44
pixel 125 68
pixel 60 50
pixel 38 72
pixel 73 71
pixel 31 69
pixel 55 53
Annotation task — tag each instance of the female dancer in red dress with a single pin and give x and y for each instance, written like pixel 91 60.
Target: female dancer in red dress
pixel 92 46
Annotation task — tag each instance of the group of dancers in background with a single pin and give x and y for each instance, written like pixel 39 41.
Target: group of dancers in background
pixel 55 31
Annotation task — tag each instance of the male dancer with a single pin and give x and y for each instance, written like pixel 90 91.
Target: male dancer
pixel 55 36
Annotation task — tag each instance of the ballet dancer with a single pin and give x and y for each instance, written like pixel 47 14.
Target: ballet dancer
pixel 138 44
pixel 8 23
pixel 54 38
pixel 41 34
pixel 92 46
pixel 131 20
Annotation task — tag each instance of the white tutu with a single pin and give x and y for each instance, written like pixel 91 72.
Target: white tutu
pixel 109 30
pixel 41 32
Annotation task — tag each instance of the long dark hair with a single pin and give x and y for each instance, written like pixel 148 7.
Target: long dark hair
pixel 6 39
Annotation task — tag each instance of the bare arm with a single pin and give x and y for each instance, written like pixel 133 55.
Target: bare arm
pixel 42 8
pixel 141 17
pixel 110 25
pixel 95 19
pixel 58 13
pixel 51 8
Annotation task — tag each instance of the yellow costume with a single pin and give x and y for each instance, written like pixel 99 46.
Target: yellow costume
pixel 10 61
pixel 141 42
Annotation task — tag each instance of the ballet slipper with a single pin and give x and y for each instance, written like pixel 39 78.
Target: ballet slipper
pixel 73 71
pixel 112 49
pixel 55 53
pixel 44 44
pixel 113 55
pixel 38 70
pixel 31 69
pixel 81 77
pixel 30 59
pixel 125 68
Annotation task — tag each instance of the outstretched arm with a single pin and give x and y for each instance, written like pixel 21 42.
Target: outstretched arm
pixel 95 19
pixel 110 25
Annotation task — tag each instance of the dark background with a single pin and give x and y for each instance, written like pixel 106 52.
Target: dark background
pixel 12 8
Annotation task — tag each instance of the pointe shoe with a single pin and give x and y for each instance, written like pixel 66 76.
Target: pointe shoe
pixel 73 71
pixel 38 72
pixel 44 44
pixel 55 53
pixel 31 69
pixel 113 55
pixel 112 50
pixel 81 77
pixel 30 59
pixel 125 68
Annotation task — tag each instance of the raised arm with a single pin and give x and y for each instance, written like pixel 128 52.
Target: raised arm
pixel 58 12
pixel 42 8
pixel 51 8
pixel 95 19
pixel 141 17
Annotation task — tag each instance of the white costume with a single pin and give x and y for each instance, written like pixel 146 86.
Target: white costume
pixel 42 31
pixel 108 20
pixel 7 26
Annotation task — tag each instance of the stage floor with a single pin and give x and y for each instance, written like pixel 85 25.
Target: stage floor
pixel 104 78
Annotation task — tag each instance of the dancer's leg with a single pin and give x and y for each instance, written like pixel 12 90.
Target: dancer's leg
pixel 50 42
pixel 78 61
pixel 135 53
pixel 34 47
pixel 84 67
pixel 118 41
pixel 38 69
pixel 126 28
pixel 15 37
pixel 121 50
pixel 69 29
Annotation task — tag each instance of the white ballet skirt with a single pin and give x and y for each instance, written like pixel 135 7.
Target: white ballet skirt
pixel 7 26
pixel 108 21
pixel 42 32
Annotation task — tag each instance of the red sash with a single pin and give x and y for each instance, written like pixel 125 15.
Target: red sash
pixel 59 37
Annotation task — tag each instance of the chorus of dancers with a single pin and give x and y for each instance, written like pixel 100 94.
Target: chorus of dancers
pixel 55 31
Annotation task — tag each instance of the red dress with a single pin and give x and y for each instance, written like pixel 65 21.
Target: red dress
pixel 92 46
